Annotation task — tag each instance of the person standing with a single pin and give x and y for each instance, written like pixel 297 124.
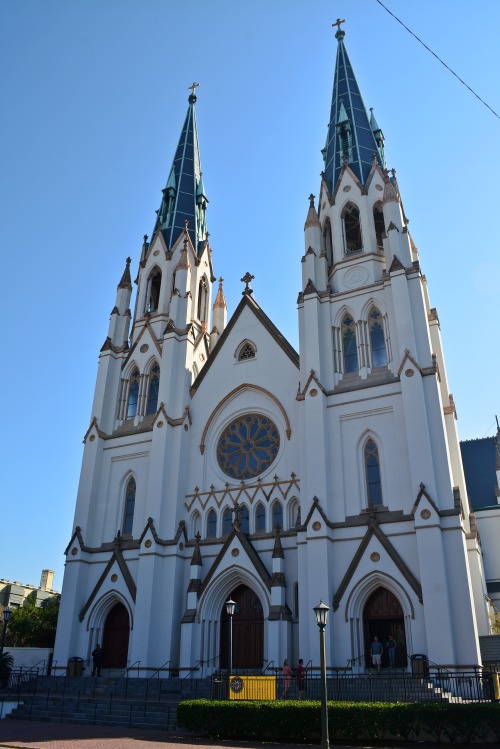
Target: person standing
pixel 287 679
pixel 391 651
pixel 300 675
pixel 376 653
pixel 97 659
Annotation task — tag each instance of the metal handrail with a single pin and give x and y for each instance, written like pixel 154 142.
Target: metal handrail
pixel 194 668
pixel 161 668
pixel 129 668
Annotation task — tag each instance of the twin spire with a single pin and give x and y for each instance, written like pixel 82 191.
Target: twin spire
pixel 352 137
pixel 184 199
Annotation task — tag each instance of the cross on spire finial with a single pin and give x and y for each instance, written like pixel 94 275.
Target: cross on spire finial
pixel 247 279
pixel 193 86
pixel 339 34
pixel 338 22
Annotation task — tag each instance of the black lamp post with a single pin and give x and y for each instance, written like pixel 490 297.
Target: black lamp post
pixel 321 613
pixel 6 616
pixel 230 609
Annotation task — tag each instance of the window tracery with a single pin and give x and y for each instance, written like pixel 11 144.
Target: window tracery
pixel 248 446
pixel 247 351
pixel 133 393
pixel 377 338
pixel 128 516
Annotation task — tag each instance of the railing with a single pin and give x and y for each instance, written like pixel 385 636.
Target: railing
pixel 436 685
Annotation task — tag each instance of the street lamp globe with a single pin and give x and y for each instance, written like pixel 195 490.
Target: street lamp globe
pixel 230 606
pixel 321 613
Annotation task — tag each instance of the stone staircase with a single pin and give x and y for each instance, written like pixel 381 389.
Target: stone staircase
pixel 388 688
pixel 139 703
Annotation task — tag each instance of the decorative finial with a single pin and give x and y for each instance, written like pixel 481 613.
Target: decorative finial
pixel 128 260
pixel 221 280
pixel 247 279
pixel 311 198
pixel 192 96
pixel 145 237
pixel 339 34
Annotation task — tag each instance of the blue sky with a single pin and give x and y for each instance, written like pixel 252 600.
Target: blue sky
pixel 94 95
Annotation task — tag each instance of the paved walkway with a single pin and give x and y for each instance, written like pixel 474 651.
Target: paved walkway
pixel 39 735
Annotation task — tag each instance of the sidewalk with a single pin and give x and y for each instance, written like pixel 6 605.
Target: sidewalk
pixel 39 735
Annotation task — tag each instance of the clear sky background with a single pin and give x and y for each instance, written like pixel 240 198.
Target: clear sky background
pixel 94 94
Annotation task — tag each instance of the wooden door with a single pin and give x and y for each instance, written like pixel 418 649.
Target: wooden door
pixel 248 631
pixel 383 616
pixel 115 639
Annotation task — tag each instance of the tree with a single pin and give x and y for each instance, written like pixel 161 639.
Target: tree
pixel 495 623
pixel 34 626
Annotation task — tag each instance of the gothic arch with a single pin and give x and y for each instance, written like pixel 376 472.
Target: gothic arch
pixel 246 350
pixel 153 289
pixel 367 585
pixel 293 512
pixel 327 237
pixel 351 228
pixel 342 312
pixel 130 368
pixel 202 300
pixel 217 593
pixel 366 436
pixel 195 525
pixel 102 607
pixel 240 389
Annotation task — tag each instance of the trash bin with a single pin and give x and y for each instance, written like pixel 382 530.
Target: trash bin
pixel 419 665
pixel 75 666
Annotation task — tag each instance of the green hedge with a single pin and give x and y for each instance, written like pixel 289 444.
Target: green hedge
pixel 300 721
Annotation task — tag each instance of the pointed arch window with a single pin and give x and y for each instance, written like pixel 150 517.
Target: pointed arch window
pixel 195 524
pixel 202 300
pixel 227 521
pixel 372 469
pixel 294 513
pixel 133 393
pixel 244 519
pixel 377 338
pixel 352 229
pixel 378 220
pixel 153 291
pixel 260 518
pixel 327 241
pixel 349 345
pixel 128 517
pixel 154 384
pixel 277 514
pixel 247 351
pixel 211 524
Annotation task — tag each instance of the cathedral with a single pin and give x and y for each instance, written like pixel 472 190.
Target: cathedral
pixel 221 463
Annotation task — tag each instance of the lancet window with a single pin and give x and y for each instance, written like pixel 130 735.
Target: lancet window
pixel 202 300
pixel 133 393
pixel 153 291
pixel 277 514
pixel 349 345
pixel 244 519
pixel 352 229
pixel 154 384
pixel 260 518
pixel 372 470
pixel 211 524
pixel 378 220
pixel 128 515
pixel 377 338
pixel 327 241
pixel 227 521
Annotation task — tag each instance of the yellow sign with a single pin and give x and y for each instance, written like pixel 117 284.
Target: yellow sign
pixel 252 687
pixel 496 686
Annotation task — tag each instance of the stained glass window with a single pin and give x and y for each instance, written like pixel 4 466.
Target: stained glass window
pixel 248 446
pixel 245 519
pixel 377 339
pixel 133 396
pixel 277 515
pixel 211 524
pixel 129 506
pixel 260 518
pixel 227 522
pixel 349 344
pixel 372 466
pixel 154 383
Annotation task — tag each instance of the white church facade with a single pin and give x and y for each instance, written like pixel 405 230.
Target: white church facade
pixel 219 462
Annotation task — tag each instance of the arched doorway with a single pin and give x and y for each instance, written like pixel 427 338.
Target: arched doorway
pixel 383 616
pixel 248 631
pixel 115 638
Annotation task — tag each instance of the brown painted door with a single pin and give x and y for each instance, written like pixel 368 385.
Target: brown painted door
pixel 248 631
pixel 115 639
pixel 383 616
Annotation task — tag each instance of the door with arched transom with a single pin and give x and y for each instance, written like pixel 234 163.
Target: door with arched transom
pixel 248 631
pixel 383 617
pixel 115 637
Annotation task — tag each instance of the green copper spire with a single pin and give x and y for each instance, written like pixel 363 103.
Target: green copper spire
pixel 184 198
pixel 352 137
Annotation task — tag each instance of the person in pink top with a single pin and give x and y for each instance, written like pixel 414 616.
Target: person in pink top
pixel 287 679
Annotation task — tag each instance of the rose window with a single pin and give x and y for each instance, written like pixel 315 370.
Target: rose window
pixel 248 446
